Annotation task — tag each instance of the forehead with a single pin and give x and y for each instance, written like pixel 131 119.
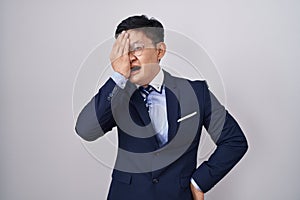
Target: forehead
pixel 138 36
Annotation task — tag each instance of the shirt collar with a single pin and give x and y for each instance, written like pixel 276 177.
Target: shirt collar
pixel 158 80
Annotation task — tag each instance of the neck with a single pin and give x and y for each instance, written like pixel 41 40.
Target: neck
pixel 155 72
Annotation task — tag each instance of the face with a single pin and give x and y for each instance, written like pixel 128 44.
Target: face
pixel 144 62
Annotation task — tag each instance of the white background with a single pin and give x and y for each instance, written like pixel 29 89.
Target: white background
pixel 255 46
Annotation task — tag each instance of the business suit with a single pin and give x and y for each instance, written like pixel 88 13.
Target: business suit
pixel 152 178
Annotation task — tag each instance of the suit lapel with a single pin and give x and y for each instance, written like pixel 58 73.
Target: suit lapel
pixel 173 112
pixel 173 108
pixel 137 102
pixel 140 115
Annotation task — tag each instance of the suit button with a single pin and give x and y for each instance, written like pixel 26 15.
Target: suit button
pixel 155 181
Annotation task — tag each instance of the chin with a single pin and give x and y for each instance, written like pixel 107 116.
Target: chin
pixel 134 80
pixel 138 78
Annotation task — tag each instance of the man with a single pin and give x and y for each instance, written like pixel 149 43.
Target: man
pixel 159 120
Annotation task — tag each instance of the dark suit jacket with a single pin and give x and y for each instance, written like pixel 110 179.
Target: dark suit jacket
pixel 143 170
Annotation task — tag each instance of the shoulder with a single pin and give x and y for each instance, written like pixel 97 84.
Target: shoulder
pixel 196 84
pixel 167 75
pixel 199 85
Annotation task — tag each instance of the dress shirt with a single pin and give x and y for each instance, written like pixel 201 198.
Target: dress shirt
pixel 156 101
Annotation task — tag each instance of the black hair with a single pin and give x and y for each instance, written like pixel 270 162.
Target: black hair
pixel 152 28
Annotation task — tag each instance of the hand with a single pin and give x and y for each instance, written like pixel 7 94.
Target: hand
pixel 119 57
pixel 197 194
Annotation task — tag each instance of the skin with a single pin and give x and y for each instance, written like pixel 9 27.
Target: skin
pixel 122 61
pixel 197 194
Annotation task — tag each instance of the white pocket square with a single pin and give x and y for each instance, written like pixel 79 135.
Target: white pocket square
pixel 187 116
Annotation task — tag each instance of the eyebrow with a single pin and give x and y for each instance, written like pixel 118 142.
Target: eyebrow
pixel 138 41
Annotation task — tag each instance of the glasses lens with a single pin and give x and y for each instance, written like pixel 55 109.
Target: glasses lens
pixel 137 49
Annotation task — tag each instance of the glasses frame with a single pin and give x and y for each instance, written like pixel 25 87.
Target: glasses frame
pixel 138 52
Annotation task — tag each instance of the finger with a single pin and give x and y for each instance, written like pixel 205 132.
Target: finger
pixel 114 52
pixel 117 43
pixel 121 34
pixel 121 43
pixel 126 47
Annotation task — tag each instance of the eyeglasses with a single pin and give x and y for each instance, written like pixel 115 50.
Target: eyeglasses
pixel 137 49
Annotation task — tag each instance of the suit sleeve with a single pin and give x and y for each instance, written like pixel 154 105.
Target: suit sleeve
pixel 227 135
pixel 96 117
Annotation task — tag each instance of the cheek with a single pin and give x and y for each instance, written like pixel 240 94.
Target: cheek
pixel 148 58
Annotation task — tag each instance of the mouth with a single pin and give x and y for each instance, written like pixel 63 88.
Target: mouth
pixel 135 68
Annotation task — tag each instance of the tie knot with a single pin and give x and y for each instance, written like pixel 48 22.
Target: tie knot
pixel 146 90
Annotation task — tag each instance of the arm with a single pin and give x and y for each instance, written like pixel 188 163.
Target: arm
pixel 96 117
pixel 229 138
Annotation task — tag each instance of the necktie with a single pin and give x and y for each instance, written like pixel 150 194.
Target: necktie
pixel 145 93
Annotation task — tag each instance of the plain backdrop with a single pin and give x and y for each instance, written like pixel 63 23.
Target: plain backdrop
pixel 255 46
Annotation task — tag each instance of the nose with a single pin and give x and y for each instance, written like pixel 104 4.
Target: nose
pixel 132 57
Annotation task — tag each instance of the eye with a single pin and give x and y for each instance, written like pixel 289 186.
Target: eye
pixel 139 48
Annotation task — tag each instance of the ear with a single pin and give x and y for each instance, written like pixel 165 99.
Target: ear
pixel 161 50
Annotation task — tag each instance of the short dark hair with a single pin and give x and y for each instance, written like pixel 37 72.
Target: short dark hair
pixel 152 28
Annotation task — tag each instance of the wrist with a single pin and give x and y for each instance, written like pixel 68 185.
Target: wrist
pixel 119 79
